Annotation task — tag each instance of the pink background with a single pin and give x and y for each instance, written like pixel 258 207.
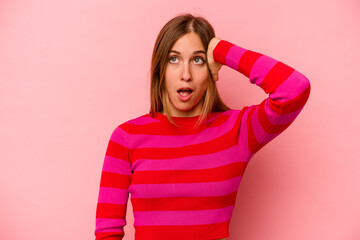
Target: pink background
pixel 71 71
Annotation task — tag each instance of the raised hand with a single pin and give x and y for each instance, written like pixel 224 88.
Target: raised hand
pixel 214 66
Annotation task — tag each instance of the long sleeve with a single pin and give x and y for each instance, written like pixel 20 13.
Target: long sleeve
pixel 113 193
pixel 288 92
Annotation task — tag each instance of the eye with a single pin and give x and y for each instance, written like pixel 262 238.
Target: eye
pixel 173 59
pixel 199 60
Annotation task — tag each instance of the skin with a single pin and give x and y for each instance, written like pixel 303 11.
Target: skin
pixel 189 65
pixel 214 66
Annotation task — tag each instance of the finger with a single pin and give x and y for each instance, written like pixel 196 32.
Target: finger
pixel 215 76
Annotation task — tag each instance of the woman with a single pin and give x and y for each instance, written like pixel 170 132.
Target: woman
pixel 183 161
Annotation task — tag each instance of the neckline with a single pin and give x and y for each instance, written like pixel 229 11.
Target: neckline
pixel 183 121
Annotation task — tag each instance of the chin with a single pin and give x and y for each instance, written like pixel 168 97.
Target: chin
pixel 185 109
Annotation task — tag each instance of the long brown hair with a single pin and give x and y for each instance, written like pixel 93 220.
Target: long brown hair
pixel 168 35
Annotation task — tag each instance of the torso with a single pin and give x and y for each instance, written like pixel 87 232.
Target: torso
pixel 161 138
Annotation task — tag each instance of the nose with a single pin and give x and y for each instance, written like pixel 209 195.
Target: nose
pixel 186 74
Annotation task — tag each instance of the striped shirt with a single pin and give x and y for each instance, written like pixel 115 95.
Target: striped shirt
pixel 183 181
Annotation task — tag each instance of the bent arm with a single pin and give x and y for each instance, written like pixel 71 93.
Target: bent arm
pixel 287 88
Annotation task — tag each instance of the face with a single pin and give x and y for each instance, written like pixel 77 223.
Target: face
pixel 186 76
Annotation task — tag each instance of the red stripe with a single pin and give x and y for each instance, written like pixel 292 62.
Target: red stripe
pixel 192 232
pixel 247 61
pixel 159 128
pixel 275 77
pixel 114 180
pixel 183 203
pixel 117 151
pixel 109 235
pixel 189 176
pixel 221 50
pixel 221 143
pixel 110 210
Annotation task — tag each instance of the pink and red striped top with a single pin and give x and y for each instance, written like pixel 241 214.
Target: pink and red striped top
pixel 183 181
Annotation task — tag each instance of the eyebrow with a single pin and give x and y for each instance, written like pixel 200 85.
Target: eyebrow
pixel 195 52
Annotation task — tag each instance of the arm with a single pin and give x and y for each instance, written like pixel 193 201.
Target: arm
pixel 288 92
pixel 113 194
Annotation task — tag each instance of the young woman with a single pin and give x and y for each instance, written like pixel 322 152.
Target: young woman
pixel 183 162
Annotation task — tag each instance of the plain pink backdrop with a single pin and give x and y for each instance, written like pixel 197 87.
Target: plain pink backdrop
pixel 71 71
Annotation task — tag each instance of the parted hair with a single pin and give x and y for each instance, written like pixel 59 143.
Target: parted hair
pixel 168 35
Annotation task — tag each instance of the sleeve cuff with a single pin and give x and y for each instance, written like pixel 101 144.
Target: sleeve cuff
pixel 220 51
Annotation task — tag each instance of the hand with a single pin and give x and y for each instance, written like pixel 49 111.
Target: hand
pixel 214 66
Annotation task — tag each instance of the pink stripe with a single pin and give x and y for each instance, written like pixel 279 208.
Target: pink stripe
pixel 233 57
pixel 161 141
pixel 243 135
pixel 292 87
pixel 154 218
pixel 109 225
pixel 286 118
pixel 113 195
pixel 185 189
pixel 112 230
pixel 142 120
pixel 120 136
pixel 207 161
pixel 260 68
pixel 116 165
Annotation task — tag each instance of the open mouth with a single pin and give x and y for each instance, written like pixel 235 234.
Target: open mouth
pixel 184 92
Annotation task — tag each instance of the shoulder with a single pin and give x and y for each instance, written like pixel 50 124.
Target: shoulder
pixel 137 122
pixel 135 125
pixel 231 117
pixel 231 112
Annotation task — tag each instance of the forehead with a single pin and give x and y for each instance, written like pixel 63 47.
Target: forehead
pixel 189 42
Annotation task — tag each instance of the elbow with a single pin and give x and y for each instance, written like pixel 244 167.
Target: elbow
pixel 308 86
pixel 304 84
